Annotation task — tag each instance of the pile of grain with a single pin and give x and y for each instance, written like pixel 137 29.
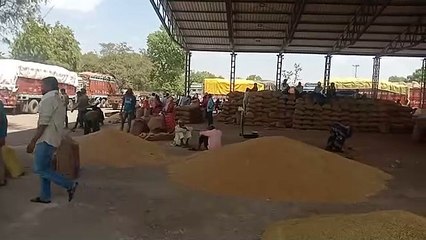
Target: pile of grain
pixel 111 147
pixel 389 225
pixel 189 114
pixel 281 169
pixel 364 115
pixel 113 119
pixel 264 108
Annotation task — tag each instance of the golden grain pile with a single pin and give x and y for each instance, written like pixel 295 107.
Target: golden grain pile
pixel 111 147
pixel 189 114
pixel 364 115
pixel 280 169
pixel 264 108
pixel 389 225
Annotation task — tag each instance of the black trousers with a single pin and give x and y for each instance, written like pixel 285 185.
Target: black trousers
pixel 203 140
pixel 210 118
pixel 91 126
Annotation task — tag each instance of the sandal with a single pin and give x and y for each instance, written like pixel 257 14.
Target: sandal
pixel 71 191
pixel 38 200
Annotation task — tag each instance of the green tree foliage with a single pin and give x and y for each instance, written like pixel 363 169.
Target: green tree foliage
pixel 168 62
pixel 130 68
pixel 44 43
pixel 199 76
pixel 397 79
pixel 14 14
pixel 254 77
pixel 416 76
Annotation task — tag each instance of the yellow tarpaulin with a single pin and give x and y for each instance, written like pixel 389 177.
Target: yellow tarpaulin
pixel 362 83
pixel 219 86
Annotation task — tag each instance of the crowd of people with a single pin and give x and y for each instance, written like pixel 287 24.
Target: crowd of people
pixel 165 107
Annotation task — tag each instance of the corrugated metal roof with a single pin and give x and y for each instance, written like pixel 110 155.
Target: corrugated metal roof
pixel 323 26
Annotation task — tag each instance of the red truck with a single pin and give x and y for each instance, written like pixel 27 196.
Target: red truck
pixel 98 86
pixel 20 83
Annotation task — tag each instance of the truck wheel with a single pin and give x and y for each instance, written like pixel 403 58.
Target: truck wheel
pixel 33 106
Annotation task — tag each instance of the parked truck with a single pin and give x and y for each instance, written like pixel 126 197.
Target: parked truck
pixel 20 83
pixel 98 86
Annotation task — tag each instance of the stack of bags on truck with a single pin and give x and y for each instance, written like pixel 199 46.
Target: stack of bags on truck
pixel 189 114
pixel 364 115
pixel 264 108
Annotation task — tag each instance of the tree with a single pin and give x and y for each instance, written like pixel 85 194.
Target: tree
pixel 130 68
pixel 199 76
pixel 254 77
pixel 14 14
pixel 43 43
pixel 416 76
pixel 168 62
pixel 293 76
pixel 397 79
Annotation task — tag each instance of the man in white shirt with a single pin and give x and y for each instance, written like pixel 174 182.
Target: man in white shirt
pixel 47 138
pixel 318 88
pixel 182 135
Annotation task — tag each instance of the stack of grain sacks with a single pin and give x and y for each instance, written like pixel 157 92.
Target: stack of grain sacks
pixel 189 114
pixel 264 108
pixel 364 115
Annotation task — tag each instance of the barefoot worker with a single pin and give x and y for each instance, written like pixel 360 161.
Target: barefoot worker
pixel 47 138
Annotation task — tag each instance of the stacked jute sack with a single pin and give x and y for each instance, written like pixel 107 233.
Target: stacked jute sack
pixel 364 115
pixel 189 114
pixel 264 108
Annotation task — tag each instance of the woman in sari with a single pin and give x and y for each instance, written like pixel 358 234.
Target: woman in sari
pixel 170 115
pixel 157 106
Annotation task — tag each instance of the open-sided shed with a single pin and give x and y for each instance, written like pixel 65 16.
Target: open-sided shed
pixel 350 27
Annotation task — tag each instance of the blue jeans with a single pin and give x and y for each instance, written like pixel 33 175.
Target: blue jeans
pixel 43 167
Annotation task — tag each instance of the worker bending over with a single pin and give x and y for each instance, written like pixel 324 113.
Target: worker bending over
pixel 210 139
pixel 93 119
pixel 182 134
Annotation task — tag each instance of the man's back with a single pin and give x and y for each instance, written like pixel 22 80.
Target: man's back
pixel 83 102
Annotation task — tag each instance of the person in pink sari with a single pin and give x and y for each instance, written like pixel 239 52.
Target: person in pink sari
pixel 170 115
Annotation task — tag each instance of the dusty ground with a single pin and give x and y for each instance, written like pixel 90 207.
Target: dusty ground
pixel 141 203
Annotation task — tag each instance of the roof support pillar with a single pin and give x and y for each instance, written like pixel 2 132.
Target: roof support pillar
pixel 327 72
pixel 423 85
pixel 187 72
pixel 375 78
pixel 278 78
pixel 232 75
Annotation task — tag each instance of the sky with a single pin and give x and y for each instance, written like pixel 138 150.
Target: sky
pixel 102 21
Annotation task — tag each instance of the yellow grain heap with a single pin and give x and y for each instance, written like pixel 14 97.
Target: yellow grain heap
pixel 114 148
pixel 280 169
pixel 389 225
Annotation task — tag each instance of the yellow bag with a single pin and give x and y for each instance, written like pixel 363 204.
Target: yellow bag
pixel 13 166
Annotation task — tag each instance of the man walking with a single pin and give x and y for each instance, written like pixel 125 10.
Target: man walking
pixel 81 106
pixel 128 109
pixel 210 109
pixel 66 100
pixel 47 138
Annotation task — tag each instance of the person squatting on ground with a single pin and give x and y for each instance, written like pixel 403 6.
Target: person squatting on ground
pixel 93 119
pixel 3 135
pixel 66 100
pixel 210 139
pixel 81 106
pixel 47 139
pixel 339 134
pixel 182 134
pixel 128 109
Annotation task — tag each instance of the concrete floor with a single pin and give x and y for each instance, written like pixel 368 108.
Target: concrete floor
pixel 141 202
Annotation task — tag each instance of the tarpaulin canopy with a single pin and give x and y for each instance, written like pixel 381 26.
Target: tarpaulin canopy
pixel 220 86
pixel 363 83
pixel 11 69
